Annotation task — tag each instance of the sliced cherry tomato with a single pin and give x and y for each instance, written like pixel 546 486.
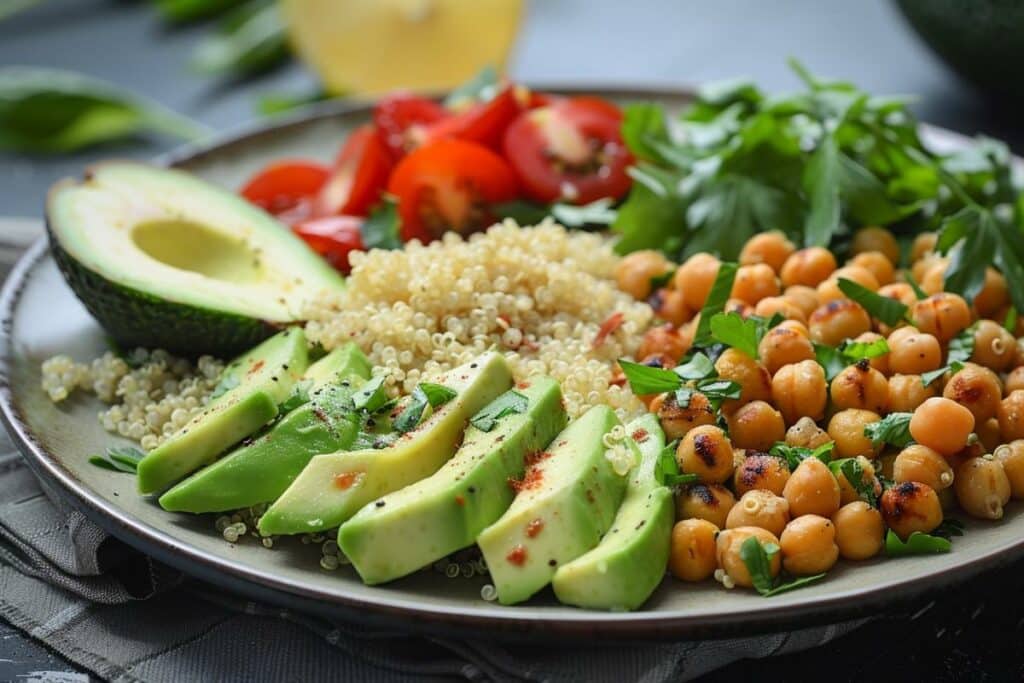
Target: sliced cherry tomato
pixel 483 122
pixel 449 184
pixel 359 175
pixel 570 150
pixel 286 188
pixel 401 118
pixel 333 237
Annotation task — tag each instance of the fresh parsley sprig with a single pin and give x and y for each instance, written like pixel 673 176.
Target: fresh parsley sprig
pixel 794 455
pixel 666 468
pixel 510 403
pixel 893 429
pixel 757 557
pixel 425 394
pixel 123 459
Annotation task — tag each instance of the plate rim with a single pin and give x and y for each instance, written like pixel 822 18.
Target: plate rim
pixel 500 621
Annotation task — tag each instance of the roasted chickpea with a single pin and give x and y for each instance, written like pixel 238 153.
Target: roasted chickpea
pixel 812 490
pixel 688 331
pixel 877 263
pixel 634 272
pixel 923 244
pixel 988 433
pixel 829 290
pixel 909 507
pixel 739 307
pixel 860 386
pixel 695 277
pixel 993 296
pixel 919 269
pixel 860 530
pixel 729 543
pixel 846 428
pixel 808 266
pixel 806 298
pixel 784 346
pixel 808 545
pixel 900 291
pixel 692 556
pixel 805 433
pixel 838 320
pixel 799 390
pixel 907 392
pixel 754 380
pixel 756 426
pixel 1014 380
pixel 796 326
pixel 760 471
pixel 670 306
pixel 912 352
pixel 943 315
pixel 920 463
pixel 982 487
pixel 761 509
pixel 1011 456
pixel 977 389
pixel 700 501
pixel 782 305
pixel 847 493
pixel 880 363
pixel 942 425
pixel 934 278
pixel 663 340
pixel 1011 416
pixel 677 421
pixel 755 282
pixel 706 452
pixel 994 347
pixel 769 248
pixel 876 239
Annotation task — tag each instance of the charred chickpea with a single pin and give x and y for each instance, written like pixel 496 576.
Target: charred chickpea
pixel 907 392
pixel 677 421
pixel 784 346
pixel 812 490
pixel 920 463
pixel 706 452
pixel 977 389
pixel 782 305
pixel 829 290
pixel 731 563
pixel 754 380
pixel 739 307
pixel 670 306
pixel 846 428
pixel 912 352
pixel 1014 380
pixel 860 530
pixel 880 363
pixel 989 434
pixel 759 508
pixel 982 487
pixel 663 340
pixel 692 552
pixel 1011 456
pixel 942 425
pixel 710 503
pixel 847 492
pixel 909 507
pixel 760 471
pixel 943 315
pixel 806 298
pixel 923 244
pixel 799 390
pixel 994 347
pixel 877 263
pixel 796 326
pixel 876 239
pixel 755 425
pixel 806 433
pixel 1011 416
pixel 635 271
pixel 808 267
pixel 994 294
pixel 808 545
pixel 695 277
pixel 838 320
pixel 860 386
pixel 755 282
pixel 769 248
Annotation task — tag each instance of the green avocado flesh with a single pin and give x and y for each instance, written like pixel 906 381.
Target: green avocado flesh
pixel 629 563
pixel 260 471
pixel 432 518
pixel 334 486
pixel 255 384
pixel 567 501
pixel 165 260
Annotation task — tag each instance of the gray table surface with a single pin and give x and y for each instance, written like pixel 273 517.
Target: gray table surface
pixel 659 42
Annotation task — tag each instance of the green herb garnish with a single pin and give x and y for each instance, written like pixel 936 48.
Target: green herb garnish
pixel 861 350
pixel 425 394
pixel 119 459
pixel 666 468
pixel 889 311
pixel 371 397
pixel 893 429
pixel 830 359
pixel 853 471
pixel 509 403
pixel 757 557
pixel 715 303
pixel 699 366
pixel 380 230
pixel 916 544
pixel 961 348
pixel 298 397
pixel 794 455
pixel 735 331
pixel 644 379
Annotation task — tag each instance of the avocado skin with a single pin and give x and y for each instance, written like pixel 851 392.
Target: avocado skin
pixel 134 318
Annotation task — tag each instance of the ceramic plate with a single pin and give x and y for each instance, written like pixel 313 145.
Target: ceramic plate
pixel 41 317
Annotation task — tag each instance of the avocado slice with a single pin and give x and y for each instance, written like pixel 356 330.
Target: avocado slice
pixel 630 561
pixel 443 513
pixel 567 501
pixel 253 385
pixel 165 260
pixel 260 471
pixel 334 486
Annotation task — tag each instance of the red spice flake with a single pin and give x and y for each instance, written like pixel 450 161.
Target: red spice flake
pixel 613 323
pixel 640 435
pixel 517 556
pixel 256 367
pixel 533 476
pixel 345 480
pixel 534 527
pixel 460 501
pixel 523 385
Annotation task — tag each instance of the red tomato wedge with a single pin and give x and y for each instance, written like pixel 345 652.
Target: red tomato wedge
pixel 359 175
pixel 286 187
pixel 401 118
pixel 449 184
pixel 570 150
pixel 482 122
pixel 333 237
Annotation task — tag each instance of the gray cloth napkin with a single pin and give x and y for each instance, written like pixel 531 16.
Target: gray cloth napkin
pixel 125 617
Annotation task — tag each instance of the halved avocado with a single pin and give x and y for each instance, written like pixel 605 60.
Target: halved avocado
pixel 163 259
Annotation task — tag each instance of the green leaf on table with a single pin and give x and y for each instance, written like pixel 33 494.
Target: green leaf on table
pixel 56 112
pixel 715 302
pixel 821 183
pixel 480 88
pixel 509 403
pixel 252 39
pixel 381 228
pixel 916 544
pixel 889 311
pixel 183 11
pixel 644 379
pixel 893 429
